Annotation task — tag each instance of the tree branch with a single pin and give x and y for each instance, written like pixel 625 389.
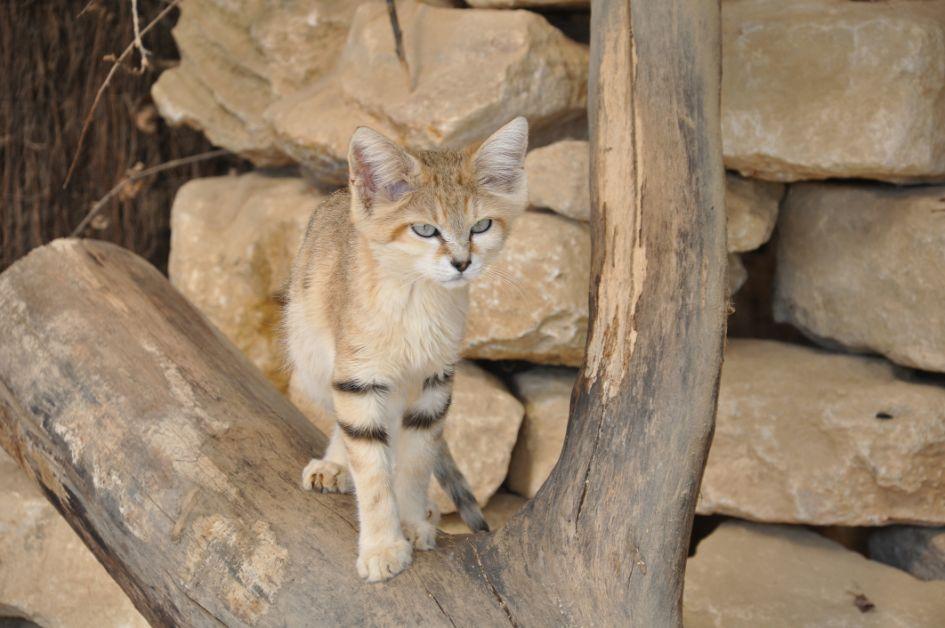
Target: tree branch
pixel 141 174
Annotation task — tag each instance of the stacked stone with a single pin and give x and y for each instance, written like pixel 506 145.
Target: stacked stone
pixel 813 91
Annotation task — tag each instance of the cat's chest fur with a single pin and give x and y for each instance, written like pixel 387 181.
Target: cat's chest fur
pixel 417 331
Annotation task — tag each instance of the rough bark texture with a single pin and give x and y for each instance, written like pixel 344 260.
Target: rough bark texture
pixel 178 464
pixel 600 543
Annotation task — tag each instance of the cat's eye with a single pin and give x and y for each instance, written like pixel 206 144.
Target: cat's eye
pixel 424 230
pixel 482 226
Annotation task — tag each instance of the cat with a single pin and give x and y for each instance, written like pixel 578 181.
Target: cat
pixel 375 313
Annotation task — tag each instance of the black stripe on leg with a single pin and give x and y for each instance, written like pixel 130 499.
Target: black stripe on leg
pixel 360 388
pixel 420 420
pixel 373 432
pixel 439 379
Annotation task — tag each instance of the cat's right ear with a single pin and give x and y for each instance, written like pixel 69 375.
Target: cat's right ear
pixel 379 170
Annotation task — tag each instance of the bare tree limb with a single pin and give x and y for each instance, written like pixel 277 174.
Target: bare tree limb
pixel 142 51
pixel 108 79
pixel 141 174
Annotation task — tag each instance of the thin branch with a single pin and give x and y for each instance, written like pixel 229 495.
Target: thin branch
pixel 134 176
pixel 142 51
pixel 398 38
pixel 108 79
pixel 85 9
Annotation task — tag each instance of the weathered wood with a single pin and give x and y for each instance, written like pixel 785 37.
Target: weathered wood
pixel 178 464
pixel 604 541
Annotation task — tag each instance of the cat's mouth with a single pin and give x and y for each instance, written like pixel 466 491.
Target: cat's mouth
pixel 455 281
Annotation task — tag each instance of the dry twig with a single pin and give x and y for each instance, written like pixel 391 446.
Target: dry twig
pixel 108 79
pixel 398 38
pixel 141 174
pixel 142 51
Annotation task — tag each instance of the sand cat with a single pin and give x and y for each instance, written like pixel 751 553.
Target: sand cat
pixel 375 315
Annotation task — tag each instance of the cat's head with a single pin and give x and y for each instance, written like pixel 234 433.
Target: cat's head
pixel 439 215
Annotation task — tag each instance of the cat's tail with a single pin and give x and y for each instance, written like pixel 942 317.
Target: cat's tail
pixel 456 486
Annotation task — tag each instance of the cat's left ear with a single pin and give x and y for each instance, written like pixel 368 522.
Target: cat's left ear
pixel 500 160
pixel 379 170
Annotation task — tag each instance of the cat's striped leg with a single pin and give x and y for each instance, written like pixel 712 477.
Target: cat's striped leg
pixel 363 406
pixel 421 429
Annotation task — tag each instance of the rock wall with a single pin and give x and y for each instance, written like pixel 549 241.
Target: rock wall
pixel 812 90
pixel 804 435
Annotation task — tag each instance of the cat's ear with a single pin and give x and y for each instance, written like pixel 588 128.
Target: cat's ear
pixel 379 170
pixel 500 160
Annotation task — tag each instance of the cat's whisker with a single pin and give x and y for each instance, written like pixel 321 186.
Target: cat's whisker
pixel 504 277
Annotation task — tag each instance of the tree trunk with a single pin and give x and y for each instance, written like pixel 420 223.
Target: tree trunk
pixel 178 464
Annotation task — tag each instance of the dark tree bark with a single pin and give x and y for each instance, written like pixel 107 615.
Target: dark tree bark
pixel 178 464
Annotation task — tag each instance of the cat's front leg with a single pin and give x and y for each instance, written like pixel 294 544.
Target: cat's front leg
pixel 421 428
pixel 330 473
pixel 363 405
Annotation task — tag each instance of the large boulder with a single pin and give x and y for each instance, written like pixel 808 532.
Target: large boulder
pixel 532 303
pixel 920 551
pixel 233 239
pixel 558 179
pixel 813 89
pixel 744 576
pixel 239 57
pixel 806 436
pixel 802 436
pixel 861 266
pixel 244 82
pixel 546 393
pixel 47 575
pixel 481 427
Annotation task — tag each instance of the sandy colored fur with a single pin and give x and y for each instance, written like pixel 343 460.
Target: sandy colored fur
pixel 374 310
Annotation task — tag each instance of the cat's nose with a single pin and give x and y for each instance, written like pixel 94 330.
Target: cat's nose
pixel 460 265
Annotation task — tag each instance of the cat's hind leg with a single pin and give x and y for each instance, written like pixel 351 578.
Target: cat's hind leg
pixel 417 447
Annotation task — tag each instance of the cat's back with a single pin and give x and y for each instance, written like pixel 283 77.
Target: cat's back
pixel 326 243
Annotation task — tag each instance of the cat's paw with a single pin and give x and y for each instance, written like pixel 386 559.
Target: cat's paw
pixel 421 533
pixel 325 476
pixel 384 561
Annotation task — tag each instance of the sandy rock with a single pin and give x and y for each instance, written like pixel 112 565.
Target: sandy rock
pixel 806 436
pixel 861 266
pixel 735 274
pixel 501 507
pixel 233 239
pixel 546 393
pixel 47 575
pixel 239 57
pixel 289 81
pixel 481 428
pixel 529 4
pixel 558 180
pixel 751 207
pixel 532 304
pixel 461 87
pixel 813 89
pixel 745 575
pixel 920 551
